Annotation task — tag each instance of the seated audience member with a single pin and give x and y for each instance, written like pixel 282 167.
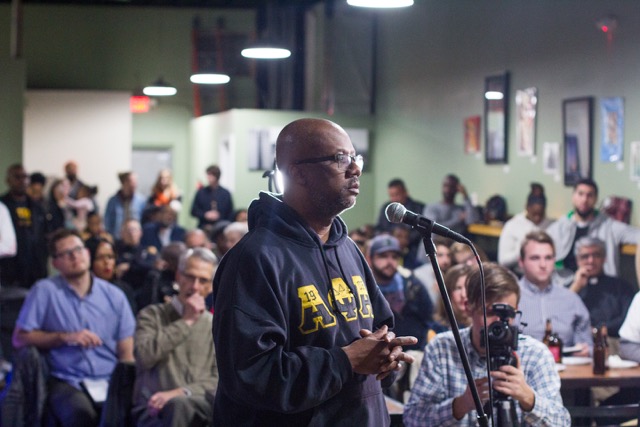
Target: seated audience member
pixel 66 315
pixel 240 215
pixel 163 231
pixel 134 261
pixel 532 219
pixel 607 298
pixel 462 254
pixel 175 356
pixel 409 257
pixel 218 238
pixel 233 233
pixel 71 174
pixel 360 238
pixel 455 280
pixel 95 228
pixel 159 283
pixel 196 238
pixel 412 308
pixel 83 206
pixel 398 193
pixel 543 297
pixel 585 220
pixel 441 396
pixel 447 212
pixel 35 190
pixel 126 203
pixel 495 210
pixel 630 332
pixel 102 258
pixel 425 273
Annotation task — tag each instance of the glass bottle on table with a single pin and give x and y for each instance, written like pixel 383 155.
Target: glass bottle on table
pixel 547 333
pixel 555 347
pixel 600 351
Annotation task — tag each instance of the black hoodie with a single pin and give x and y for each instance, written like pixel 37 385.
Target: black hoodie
pixel 279 325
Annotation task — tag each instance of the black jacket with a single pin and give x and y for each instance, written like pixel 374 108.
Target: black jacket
pixel 284 305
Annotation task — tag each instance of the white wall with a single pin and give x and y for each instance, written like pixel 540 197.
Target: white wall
pixel 91 127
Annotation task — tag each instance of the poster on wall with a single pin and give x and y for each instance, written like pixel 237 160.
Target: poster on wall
pixel 472 135
pixel 577 116
pixel 551 157
pixel 634 161
pixel 526 103
pixel 612 116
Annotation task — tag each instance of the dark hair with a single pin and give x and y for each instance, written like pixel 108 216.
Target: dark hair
pixel 38 178
pixel 214 170
pixel 59 234
pixel 93 243
pixel 396 182
pixel 499 282
pixel 539 237
pixel 124 176
pixel 453 177
pixel 586 181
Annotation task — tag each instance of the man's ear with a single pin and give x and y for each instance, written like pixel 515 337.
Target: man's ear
pixel 297 175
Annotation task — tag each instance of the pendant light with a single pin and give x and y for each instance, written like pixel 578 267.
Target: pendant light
pixel 160 88
pixel 388 4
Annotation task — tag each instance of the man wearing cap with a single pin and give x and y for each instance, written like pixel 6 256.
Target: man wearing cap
pixel 407 296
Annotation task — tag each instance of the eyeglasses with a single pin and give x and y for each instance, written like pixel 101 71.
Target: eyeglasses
pixel 594 255
pixel 342 160
pixel 67 254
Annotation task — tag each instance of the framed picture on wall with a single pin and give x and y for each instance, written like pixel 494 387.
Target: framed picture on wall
pixel 526 102
pixel 472 135
pixel 577 119
pixel 612 125
pixel 496 103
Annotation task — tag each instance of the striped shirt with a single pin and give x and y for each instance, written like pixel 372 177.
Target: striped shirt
pixel 569 316
pixel 441 379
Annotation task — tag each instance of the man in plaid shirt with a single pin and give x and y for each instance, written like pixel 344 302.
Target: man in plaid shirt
pixel 441 395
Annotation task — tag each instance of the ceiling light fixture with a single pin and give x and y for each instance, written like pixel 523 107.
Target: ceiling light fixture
pixel 160 88
pixel 210 78
pixel 493 95
pixel 388 4
pixel 266 51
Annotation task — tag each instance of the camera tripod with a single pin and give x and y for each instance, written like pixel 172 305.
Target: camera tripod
pixel 506 409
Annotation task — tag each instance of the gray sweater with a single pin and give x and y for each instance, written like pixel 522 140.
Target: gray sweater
pixel 170 354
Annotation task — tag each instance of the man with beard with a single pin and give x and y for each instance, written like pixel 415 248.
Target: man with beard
pixel 407 296
pixel 66 315
pixel 585 220
pixel 296 303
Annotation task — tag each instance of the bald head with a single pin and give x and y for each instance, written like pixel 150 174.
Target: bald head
pixel 304 138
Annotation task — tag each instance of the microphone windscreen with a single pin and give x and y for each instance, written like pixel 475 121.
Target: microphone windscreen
pixel 395 212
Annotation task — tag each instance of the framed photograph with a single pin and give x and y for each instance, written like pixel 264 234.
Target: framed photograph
pixel 612 124
pixel 551 157
pixel 526 104
pixel 634 161
pixel 496 105
pixel 472 135
pixel 577 118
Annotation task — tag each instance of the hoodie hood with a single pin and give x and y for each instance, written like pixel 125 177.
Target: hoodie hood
pixel 271 212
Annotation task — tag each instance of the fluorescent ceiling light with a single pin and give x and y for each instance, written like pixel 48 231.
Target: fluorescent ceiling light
pixel 160 88
pixel 493 95
pixel 380 3
pixel 266 52
pixel 210 78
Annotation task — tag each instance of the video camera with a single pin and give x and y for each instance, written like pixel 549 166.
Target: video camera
pixel 503 338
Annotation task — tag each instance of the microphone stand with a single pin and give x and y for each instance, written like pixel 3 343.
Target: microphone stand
pixel 430 249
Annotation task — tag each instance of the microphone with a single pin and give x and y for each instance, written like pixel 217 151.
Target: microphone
pixel 396 213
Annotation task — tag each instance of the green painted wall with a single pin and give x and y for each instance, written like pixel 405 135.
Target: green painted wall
pixel 12 85
pixel 432 63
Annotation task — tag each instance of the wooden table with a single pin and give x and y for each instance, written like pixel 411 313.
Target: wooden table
pixel 582 377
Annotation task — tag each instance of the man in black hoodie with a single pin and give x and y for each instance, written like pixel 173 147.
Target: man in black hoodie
pixel 295 301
